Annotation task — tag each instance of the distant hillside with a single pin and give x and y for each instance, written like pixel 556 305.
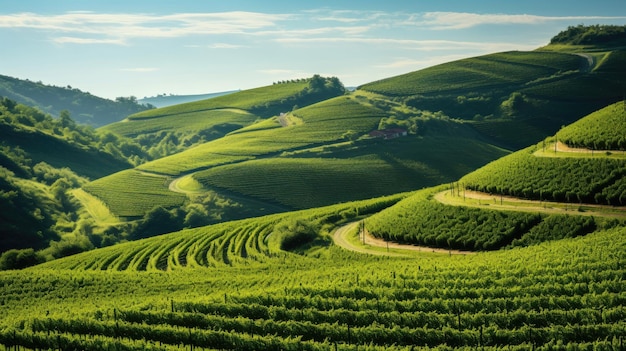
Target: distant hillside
pixel 82 106
pixel 168 130
pixel 169 100
pixel 515 98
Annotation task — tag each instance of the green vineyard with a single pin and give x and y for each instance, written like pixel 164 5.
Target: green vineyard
pixel 484 72
pixel 566 295
pixel 131 193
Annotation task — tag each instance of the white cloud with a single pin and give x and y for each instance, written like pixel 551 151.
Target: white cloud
pixel 224 46
pixel 139 69
pixel 421 45
pixel 119 28
pixel 74 40
pixel 463 20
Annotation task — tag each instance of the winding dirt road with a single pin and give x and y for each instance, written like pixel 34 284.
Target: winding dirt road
pixel 340 239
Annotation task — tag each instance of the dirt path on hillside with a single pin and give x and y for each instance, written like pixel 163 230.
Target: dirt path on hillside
pixel 340 239
pixel 510 203
pixel 175 186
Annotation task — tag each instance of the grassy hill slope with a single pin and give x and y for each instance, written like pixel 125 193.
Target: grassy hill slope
pixel 317 155
pixel 584 180
pixel 533 93
pixel 172 129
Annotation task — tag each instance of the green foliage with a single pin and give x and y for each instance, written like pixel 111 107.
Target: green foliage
pixel 418 220
pixel 132 193
pixel 18 259
pixel 591 35
pixel 576 180
pixel 63 143
pixel 294 233
pixel 86 108
pixel 601 130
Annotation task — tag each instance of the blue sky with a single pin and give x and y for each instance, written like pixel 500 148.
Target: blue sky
pixel 144 48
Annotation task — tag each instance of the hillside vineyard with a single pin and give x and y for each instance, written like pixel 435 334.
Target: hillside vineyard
pixel 275 219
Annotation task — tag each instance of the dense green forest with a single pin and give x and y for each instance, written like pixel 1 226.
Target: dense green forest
pixel 84 107
pixel 43 158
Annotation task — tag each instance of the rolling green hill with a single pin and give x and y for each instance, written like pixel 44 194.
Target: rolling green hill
pixel 314 156
pixel 172 129
pixel 533 93
pixel 457 117
pixel 291 281
pixel 550 176
pixel 84 107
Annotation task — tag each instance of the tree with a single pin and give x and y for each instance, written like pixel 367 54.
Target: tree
pixel 65 120
pixel 18 259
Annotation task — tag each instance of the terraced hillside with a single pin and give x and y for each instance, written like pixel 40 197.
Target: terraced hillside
pixel 453 119
pixel 314 156
pixel 552 178
pixel 533 93
pixel 231 287
pixel 171 129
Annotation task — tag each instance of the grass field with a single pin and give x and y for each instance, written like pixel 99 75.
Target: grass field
pixel 132 193
pixel 215 120
pixel 243 100
pixel 479 73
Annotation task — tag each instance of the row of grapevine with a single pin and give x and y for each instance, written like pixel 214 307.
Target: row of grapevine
pixel 562 179
pixel 479 72
pixel 426 222
pixel 601 130
pixel 238 243
pixel 504 300
pixel 566 294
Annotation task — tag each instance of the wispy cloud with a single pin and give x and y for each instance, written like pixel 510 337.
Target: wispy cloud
pixel 119 28
pixel 74 40
pixel 464 20
pixel 420 45
pixel 224 46
pixel 305 26
pixel 139 69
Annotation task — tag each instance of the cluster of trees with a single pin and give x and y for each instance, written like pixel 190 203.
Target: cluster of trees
pixel 319 88
pixel 39 219
pixel 19 116
pixel 594 34
pixel 206 209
